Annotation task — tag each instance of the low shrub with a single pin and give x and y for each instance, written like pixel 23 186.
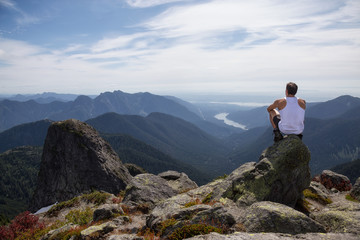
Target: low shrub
pixel 21 224
pixel 192 203
pixel 96 197
pixel 166 224
pixel 54 210
pixel 148 234
pixel 80 217
pixel 191 230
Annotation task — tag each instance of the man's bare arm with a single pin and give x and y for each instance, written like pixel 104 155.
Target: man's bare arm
pixel 273 106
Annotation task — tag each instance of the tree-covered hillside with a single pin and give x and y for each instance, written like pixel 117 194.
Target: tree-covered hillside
pixel 19 168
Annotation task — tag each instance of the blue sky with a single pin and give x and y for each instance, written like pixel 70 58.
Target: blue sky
pixel 180 46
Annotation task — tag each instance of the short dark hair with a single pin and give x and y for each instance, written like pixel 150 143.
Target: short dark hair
pixel 291 88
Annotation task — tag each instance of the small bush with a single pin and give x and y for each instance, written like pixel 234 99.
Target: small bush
pixel 80 217
pixel 166 224
pixel 191 230
pixel 192 203
pixel 96 197
pixel 148 234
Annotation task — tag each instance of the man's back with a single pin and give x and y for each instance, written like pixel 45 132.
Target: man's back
pixel 292 116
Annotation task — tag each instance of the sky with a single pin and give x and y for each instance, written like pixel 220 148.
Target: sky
pixel 180 46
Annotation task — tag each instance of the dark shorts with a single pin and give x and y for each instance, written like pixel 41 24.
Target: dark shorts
pixel 276 120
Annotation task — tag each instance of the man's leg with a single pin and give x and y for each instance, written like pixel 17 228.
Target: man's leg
pixel 274 120
pixel 272 114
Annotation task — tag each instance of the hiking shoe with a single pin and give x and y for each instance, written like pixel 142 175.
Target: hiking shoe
pixel 277 135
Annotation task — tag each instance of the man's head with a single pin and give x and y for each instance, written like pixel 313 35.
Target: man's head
pixel 291 88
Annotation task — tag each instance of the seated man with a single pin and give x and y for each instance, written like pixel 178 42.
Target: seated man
pixel 289 118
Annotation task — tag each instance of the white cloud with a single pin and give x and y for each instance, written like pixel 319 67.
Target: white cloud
pixel 118 42
pixel 149 3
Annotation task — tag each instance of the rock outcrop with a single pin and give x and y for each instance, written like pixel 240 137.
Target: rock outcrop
pixel 355 191
pixel 274 217
pixel 280 176
pixel 149 189
pixel 76 160
pixel 332 180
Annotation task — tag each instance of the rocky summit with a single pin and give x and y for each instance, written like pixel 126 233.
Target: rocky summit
pixel 76 160
pixel 280 176
pixel 258 200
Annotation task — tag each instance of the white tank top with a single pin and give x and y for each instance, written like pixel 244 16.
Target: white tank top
pixel 292 117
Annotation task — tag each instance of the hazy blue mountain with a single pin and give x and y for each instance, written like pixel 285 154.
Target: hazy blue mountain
pixel 173 136
pixel 333 108
pixel 350 169
pixel 32 134
pixel 46 97
pixel 131 150
pixel 13 113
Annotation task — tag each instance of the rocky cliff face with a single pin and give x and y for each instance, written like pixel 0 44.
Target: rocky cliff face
pixel 76 160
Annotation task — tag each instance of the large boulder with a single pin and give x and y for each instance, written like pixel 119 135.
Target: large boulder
pixel 280 176
pixel 178 181
pixel 355 191
pixel 275 217
pixel 338 181
pixel 146 190
pixel 76 160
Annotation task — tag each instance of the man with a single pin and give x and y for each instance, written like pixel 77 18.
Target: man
pixel 289 118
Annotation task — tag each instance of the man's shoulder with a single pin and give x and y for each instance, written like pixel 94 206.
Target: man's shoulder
pixel 302 103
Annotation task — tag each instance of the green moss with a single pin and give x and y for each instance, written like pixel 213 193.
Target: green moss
pixel 309 194
pixel 207 199
pixel 350 198
pixel 188 231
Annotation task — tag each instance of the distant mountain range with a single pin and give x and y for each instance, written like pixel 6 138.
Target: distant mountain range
pixel 162 141
pixel 13 113
pixel 46 97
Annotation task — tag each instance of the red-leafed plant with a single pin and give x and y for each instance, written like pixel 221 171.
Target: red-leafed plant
pixel 24 222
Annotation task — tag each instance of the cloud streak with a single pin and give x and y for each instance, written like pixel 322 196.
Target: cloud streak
pixel 149 3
